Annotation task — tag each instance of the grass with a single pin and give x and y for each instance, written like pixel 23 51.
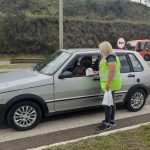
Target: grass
pixel 16 66
pixel 102 21
pixel 137 139
pixel 4 57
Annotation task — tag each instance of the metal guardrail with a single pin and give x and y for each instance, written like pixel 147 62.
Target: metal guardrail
pixel 26 60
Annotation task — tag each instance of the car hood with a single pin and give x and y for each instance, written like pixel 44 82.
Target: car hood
pixel 22 79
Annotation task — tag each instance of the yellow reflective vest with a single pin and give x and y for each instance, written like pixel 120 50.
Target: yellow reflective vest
pixel 116 82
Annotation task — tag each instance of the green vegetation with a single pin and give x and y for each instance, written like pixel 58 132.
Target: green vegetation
pixel 16 66
pixel 137 139
pixel 31 26
pixel 4 57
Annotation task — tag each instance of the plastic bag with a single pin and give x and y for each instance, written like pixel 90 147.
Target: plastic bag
pixel 108 99
pixel 89 72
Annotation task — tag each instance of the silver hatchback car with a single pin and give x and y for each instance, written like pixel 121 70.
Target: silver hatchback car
pixel 60 84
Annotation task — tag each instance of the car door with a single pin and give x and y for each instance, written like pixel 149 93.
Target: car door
pixel 127 75
pixel 77 91
pixel 138 69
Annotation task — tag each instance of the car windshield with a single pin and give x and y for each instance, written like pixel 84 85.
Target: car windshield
pixel 131 45
pixel 53 62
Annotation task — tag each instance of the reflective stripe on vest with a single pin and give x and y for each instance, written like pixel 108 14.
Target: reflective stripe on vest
pixel 105 78
pixel 106 72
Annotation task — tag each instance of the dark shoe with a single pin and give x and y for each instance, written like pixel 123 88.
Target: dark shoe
pixel 103 127
pixel 112 123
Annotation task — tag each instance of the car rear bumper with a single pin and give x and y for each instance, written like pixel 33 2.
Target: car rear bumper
pixel 2 112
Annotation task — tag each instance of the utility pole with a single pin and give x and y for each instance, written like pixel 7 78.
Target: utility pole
pixel 60 24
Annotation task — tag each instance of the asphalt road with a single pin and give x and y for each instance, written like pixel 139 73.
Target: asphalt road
pixel 65 135
pixel 70 133
pixel 72 114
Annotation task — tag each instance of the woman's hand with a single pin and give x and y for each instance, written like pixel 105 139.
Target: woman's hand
pixel 107 87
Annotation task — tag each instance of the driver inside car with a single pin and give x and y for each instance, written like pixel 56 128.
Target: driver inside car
pixel 86 62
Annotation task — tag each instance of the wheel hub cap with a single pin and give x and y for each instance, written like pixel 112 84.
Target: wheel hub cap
pixel 137 100
pixel 25 116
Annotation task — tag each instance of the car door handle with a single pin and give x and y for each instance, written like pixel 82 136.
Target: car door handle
pixel 96 78
pixel 131 75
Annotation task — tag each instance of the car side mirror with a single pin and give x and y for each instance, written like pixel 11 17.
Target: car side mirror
pixel 66 74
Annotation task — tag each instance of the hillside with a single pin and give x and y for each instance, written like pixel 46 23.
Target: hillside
pixel 88 9
pixel 31 26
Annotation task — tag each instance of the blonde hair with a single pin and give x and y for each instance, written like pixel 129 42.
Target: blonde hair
pixel 105 48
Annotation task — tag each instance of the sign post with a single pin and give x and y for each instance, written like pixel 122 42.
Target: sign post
pixel 60 24
pixel 121 42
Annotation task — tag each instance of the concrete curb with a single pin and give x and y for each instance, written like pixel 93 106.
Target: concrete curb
pixel 92 136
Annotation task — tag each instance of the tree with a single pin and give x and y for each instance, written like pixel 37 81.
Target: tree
pixel 147 2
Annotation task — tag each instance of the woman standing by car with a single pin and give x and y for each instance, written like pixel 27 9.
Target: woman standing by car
pixel 110 79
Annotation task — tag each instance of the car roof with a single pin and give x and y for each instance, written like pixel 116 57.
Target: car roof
pixel 87 50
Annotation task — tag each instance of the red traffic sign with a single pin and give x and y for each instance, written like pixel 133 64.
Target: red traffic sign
pixel 121 43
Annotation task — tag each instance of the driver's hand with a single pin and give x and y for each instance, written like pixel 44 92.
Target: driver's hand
pixel 96 72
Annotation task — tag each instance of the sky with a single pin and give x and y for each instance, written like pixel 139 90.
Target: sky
pixel 138 0
pixel 143 1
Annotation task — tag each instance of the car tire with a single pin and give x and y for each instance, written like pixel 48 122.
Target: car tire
pixel 135 100
pixel 24 115
pixel 146 57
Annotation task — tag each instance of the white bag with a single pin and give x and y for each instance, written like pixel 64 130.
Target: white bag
pixel 89 72
pixel 108 99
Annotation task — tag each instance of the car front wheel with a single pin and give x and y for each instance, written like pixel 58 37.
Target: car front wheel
pixel 135 100
pixel 24 116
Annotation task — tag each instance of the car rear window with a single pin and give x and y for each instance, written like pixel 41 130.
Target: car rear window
pixel 137 67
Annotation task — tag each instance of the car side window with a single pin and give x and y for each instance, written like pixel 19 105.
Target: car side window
pixel 141 47
pixel 147 46
pixel 80 63
pixel 137 67
pixel 125 67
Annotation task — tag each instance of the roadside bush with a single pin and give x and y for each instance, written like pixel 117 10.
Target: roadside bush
pixel 31 26
pixel 21 34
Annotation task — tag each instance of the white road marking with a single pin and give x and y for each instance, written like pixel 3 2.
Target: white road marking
pixel 92 136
